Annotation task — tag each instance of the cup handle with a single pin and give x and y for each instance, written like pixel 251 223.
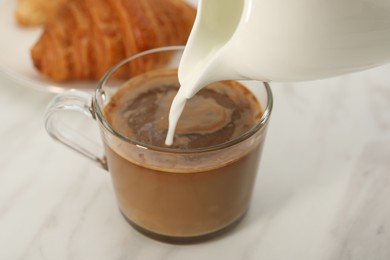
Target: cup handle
pixel 60 129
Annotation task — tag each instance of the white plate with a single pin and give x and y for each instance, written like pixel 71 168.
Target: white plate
pixel 15 60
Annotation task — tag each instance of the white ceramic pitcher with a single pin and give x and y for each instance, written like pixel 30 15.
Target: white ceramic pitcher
pixel 284 40
pixel 280 40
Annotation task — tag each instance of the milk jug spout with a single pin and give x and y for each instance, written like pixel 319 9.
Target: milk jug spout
pixel 207 56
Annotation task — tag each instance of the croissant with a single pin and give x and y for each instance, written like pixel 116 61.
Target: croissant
pixel 89 36
pixel 36 12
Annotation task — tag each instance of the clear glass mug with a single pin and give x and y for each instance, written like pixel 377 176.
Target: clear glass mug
pixel 173 195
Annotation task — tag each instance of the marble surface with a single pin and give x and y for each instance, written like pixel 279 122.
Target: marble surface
pixel 322 192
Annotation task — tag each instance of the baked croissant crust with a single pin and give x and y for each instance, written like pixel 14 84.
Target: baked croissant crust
pixel 36 12
pixel 89 36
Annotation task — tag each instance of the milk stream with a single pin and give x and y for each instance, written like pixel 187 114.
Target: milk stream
pixel 280 40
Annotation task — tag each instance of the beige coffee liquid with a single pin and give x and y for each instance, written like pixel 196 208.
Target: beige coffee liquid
pixel 154 191
pixel 219 113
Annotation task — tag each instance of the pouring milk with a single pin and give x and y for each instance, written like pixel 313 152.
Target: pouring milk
pixel 280 40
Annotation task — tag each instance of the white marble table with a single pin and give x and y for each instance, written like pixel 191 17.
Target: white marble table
pixel 322 193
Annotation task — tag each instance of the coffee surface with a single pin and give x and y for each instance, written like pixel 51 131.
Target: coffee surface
pixel 220 112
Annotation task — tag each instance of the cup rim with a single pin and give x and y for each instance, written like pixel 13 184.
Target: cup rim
pixel 99 113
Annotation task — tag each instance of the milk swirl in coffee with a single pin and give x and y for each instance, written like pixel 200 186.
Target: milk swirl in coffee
pixel 217 114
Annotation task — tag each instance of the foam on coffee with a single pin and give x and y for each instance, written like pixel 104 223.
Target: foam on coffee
pixel 220 112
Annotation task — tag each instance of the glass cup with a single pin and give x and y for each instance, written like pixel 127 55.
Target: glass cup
pixel 172 195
